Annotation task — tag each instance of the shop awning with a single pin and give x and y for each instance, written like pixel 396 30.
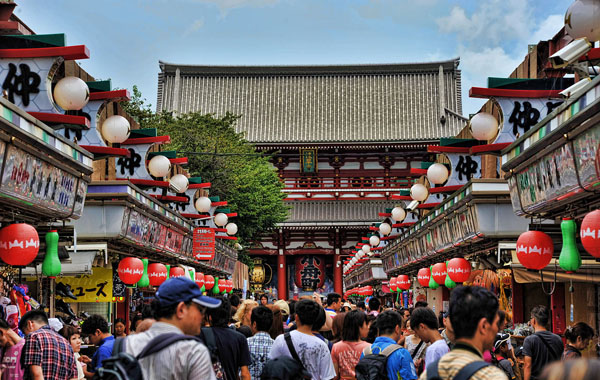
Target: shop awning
pixel 79 262
pixel 590 274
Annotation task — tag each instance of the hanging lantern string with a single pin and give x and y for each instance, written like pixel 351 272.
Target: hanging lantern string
pixel 553 285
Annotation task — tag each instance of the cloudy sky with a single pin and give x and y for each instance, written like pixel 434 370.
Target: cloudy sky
pixel 127 38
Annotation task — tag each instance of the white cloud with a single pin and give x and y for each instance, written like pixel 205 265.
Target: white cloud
pixel 547 29
pixel 493 22
pixel 194 27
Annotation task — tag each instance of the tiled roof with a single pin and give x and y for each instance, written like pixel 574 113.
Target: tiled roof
pixel 337 211
pixel 347 103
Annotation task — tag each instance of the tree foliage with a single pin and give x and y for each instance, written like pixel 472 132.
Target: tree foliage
pixel 238 174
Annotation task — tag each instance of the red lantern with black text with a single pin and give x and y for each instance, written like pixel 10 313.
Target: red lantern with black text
pixel 157 274
pixel 403 282
pixel 130 270
pixel 177 272
pixel 19 244
pixel 393 286
pixel 199 279
pixel 310 272
pixel 423 277
pixel 459 269
pixel 209 282
pixel 534 249
pixel 439 273
pixel 590 233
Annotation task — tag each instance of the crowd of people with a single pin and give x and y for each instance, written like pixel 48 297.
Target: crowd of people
pixel 187 335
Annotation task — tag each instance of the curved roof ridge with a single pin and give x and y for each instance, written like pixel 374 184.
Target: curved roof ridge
pixel 316 69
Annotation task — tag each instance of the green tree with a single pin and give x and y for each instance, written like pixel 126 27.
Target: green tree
pixel 238 174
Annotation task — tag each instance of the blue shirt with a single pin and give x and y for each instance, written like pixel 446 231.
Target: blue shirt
pixel 103 352
pixel 400 365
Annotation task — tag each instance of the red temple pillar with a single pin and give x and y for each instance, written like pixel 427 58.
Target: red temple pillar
pixel 338 285
pixel 282 289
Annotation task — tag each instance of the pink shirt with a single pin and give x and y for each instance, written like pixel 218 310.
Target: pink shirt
pixel 11 362
pixel 346 355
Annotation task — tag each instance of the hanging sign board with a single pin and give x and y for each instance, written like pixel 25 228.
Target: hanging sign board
pixel 97 287
pixel 204 243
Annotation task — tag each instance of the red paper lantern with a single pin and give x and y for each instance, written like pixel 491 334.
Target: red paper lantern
pixel 589 232
pixel 459 269
pixel 19 244
pixel 229 285
pixel 157 274
pixel 222 286
pixel 310 272
pixel 199 279
pixel 439 273
pixel 209 282
pixel 177 272
pixel 403 282
pixel 393 286
pixel 423 277
pixel 130 270
pixel 368 290
pixel 534 249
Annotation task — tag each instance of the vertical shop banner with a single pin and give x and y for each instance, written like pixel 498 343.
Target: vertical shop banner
pixel 119 288
pixel 97 287
pixel 204 243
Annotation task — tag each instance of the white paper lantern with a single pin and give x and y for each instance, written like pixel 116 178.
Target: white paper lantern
pixel 366 248
pixel 203 204
pixel 221 219
pixel 398 214
pixel 179 183
pixel 159 166
pixel 232 229
pixel 437 173
pixel 116 129
pixel 71 93
pixel 374 241
pixel 583 20
pixel 484 126
pixel 385 229
pixel 419 192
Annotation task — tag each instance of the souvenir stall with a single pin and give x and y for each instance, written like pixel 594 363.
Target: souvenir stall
pixel 552 171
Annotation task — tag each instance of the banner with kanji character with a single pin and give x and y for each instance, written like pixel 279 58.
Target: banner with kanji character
pixel 204 243
pixel 97 287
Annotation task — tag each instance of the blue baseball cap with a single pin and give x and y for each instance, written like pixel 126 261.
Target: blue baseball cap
pixel 182 289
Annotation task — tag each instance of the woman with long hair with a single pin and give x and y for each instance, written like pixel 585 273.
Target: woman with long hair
pixel 243 313
pixel 277 326
pixel 346 353
pixel 578 338
pixel 337 327
pixel 415 347
pixel 119 326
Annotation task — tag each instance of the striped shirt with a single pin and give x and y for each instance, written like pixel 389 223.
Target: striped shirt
pixel 461 355
pixel 187 359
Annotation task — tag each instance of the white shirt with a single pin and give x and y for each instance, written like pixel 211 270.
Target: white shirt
pixel 312 351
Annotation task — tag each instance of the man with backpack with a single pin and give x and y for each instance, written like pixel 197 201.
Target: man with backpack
pixel 474 317
pixel 302 346
pixel 385 359
pixel 542 347
pixel 260 343
pixel 229 346
pixel 500 355
pixel 179 308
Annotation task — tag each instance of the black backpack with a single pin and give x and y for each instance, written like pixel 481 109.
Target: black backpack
pixel 465 372
pixel 285 368
pixel 124 366
pixel 374 366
